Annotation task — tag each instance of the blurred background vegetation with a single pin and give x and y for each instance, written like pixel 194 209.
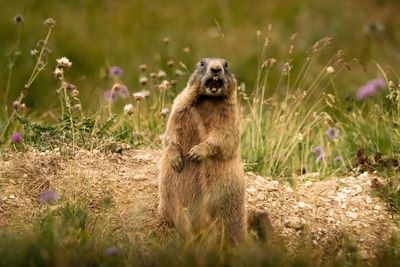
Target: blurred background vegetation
pixel 97 34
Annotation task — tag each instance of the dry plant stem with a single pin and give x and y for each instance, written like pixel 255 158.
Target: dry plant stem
pixel 39 66
pixel 12 60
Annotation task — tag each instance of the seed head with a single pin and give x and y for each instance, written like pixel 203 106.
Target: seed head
pixel 50 22
pixel 33 52
pixel 143 80
pixel 58 72
pixel 179 73
pixel 186 50
pixel 161 74
pixel 143 67
pixel 18 19
pixel 77 107
pixel 141 95
pixel 63 63
pixel 128 109
pixel 166 40
pixel 330 70
pixel 74 93
pixel 164 85
pixel 170 63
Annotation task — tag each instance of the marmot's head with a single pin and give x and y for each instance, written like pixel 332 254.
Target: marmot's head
pixel 213 78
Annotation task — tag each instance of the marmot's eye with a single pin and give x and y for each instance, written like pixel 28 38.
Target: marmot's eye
pixel 202 63
pixel 226 64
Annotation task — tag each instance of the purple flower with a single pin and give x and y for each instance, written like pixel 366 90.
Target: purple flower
pixel 332 133
pixel 108 96
pixel 15 105
pixel 47 196
pixel 70 86
pixel 317 149
pixel 116 71
pixel 338 159
pixel 320 157
pixel 123 91
pixel 370 88
pixel 112 251
pixel 16 138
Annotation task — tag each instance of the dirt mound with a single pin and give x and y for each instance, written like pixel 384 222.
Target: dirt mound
pixel 122 188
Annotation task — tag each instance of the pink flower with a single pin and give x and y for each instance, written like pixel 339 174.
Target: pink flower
pixel 16 138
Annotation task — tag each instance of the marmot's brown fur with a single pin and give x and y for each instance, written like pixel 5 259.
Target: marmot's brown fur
pixel 201 169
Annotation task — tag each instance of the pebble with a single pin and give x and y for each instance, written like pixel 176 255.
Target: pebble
pixel 296 223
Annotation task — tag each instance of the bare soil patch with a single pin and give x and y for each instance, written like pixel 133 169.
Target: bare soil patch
pixel 122 190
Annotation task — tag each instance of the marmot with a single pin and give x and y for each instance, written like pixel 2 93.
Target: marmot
pixel 201 169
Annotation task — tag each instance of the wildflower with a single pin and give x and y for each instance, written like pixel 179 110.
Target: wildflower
pixel 170 63
pixel 141 95
pixel 70 86
pixel 143 80
pixel 44 134
pixel 112 251
pixel 50 22
pixel 110 95
pixel 74 93
pixel 58 72
pixel 330 70
pixel 286 68
pixel 186 50
pixel 178 73
pixel 370 88
pixel 18 19
pixel 153 75
pixel 164 112
pixel 320 157
pixel 166 40
pixel 15 105
pixel 47 196
pixel 128 109
pixel 373 26
pixel 332 133
pixel 143 67
pixel 317 149
pixel 161 74
pixel 164 85
pixel 16 138
pixel 22 107
pixel 116 71
pixel 123 91
pixel 76 107
pixel 63 63
pixel 173 82
pixel 33 52
pixel 338 159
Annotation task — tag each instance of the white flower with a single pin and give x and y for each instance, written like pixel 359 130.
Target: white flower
pixel 161 74
pixel 128 109
pixel 164 85
pixel 330 69
pixel 63 62
pixel 58 72
pixel 164 112
pixel 143 80
pixel 141 95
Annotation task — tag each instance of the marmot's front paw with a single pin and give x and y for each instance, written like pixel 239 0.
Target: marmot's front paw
pixel 197 152
pixel 177 162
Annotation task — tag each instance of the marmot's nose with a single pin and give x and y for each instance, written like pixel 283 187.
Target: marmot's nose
pixel 216 69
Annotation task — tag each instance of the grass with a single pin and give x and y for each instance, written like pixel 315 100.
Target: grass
pixel 290 97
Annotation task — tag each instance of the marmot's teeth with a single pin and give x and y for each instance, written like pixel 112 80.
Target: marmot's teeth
pixel 215 78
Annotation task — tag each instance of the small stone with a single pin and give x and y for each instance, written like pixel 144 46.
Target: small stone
pixel 352 215
pixel 296 223
pixel 12 197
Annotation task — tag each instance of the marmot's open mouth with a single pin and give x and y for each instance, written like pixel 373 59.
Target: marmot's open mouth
pixel 213 84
